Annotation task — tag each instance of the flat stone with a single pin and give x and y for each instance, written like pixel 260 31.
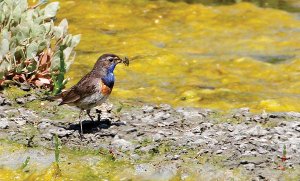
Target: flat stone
pixel 165 107
pixel 20 121
pixel 219 152
pixel 4 123
pixel 31 98
pixel 61 132
pixel 175 157
pixel 146 149
pixel 2 101
pixel 250 166
pixel 257 131
pixel 123 145
pixel 44 124
pixel 21 100
pixel 157 137
pixel 148 109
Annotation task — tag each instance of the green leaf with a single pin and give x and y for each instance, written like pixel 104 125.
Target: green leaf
pixel 17 13
pixel 23 5
pixel 37 30
pixel 51 9
pixel 67 40
pixel 32 67
pixel 31 50
pixel 55 61
pixel 5 34
pixel 9 2
pixel 67 52
pixel 70 60
pixel 64 25
pixel 42 45
pixel 75 40
pixel 19 68
pixel 58 32
pixel 20 37
pixel 48 27
pixel 4 67
pixel 25 163
pixel 4 47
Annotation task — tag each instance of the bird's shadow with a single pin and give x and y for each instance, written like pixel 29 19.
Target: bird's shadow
pixel 89 126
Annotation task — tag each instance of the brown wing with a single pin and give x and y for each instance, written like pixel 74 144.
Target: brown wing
pixel 85 87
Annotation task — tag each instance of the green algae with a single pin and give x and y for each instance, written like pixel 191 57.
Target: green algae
pixel 191 54
pixel 13 93
pixel 71 162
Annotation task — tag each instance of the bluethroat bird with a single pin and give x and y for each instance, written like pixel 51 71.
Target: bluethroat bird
pixel 95 87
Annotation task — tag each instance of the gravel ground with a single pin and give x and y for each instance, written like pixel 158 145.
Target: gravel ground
pixel 204 141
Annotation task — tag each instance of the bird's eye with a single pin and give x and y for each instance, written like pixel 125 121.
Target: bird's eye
pixel 110 59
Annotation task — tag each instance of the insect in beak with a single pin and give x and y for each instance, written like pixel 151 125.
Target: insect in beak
pixel 126 61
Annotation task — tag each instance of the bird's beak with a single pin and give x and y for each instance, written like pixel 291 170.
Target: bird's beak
pixel 119 60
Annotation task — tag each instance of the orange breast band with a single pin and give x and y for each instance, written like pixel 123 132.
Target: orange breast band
pixel 105 90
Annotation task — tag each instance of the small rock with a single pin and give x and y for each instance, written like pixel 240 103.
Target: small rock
pixel 21 100
pixel 199 142
pixel 165 116
pixel 175 157
pixel 144 168
pixel 157 137
pixel 25 87
pixel 165 107
pixel 249 166
pixel 61 132
pixel 4 124
pixel 146 149
pixel 257 131
pixel 159 116
pixel 294 114
pixel 2 101
pixel 148 109
pixel 123 145
pixel 135 156
pixel 7 102
pixel 131 130
pixel 44 124
pixel 219 152
pixel 47 136
pixel 20 121
pixel 202 151
pixel 31 98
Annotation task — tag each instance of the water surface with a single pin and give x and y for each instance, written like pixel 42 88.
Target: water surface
pixel 196 55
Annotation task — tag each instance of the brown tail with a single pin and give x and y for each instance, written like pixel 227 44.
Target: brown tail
pixel 53 98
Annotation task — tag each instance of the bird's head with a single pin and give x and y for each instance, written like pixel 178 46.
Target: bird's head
pixel 109 62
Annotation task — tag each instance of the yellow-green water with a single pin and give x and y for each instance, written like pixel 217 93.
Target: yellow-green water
pixel 191 54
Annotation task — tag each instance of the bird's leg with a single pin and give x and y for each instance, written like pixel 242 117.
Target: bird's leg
pixel 99 114
pixel 80 122
pixel 88 111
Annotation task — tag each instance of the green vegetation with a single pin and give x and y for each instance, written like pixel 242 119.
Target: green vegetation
pixel 57 171
pixel 32 49
pixel 25 163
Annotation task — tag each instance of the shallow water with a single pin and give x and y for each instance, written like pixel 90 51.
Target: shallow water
pixel 183 54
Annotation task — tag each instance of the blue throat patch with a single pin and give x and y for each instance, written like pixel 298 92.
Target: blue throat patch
pixel 109 79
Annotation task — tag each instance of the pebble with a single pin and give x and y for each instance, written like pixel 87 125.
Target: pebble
pixel 148 109
pixel 20 121
pixel 4 124
pixel 61 132
pixel 21 100
pixel 146 149
pixel 157 137
pixel 122 144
